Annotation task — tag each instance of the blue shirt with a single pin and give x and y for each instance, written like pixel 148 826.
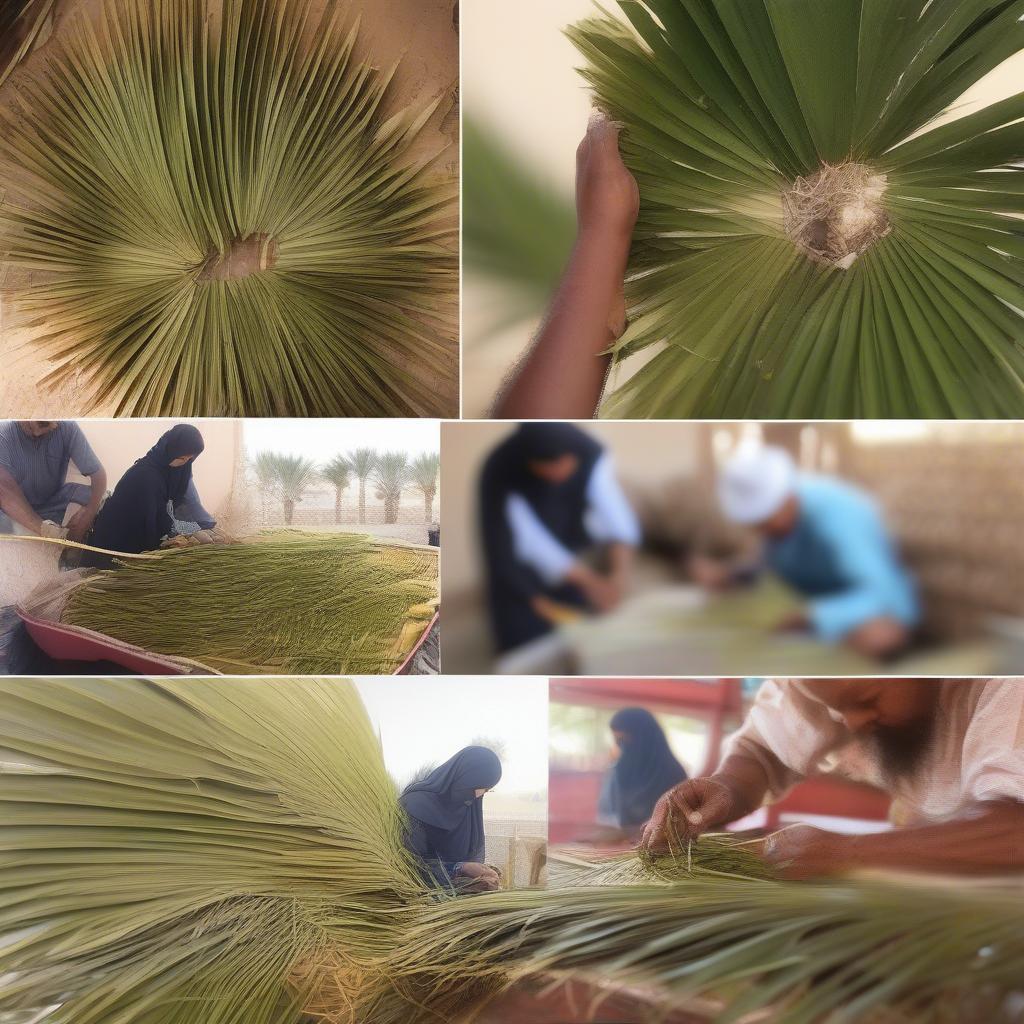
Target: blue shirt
pixel 39 465
pixel 840 556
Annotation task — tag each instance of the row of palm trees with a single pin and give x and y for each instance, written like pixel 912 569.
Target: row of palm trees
pixel 289 477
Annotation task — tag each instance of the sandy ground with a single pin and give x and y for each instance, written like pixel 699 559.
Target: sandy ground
pixel 420 34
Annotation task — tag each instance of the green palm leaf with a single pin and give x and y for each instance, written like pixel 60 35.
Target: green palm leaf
pixel 798 252
pixel 223 222
pixel 231 852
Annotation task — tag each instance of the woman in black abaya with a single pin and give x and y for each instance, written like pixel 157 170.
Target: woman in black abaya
pixel 645 771
pixel 137 516
pixel 446 820
pixel 548 494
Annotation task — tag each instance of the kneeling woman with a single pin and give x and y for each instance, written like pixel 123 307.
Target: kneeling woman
pixel 446 821
pixel 137 516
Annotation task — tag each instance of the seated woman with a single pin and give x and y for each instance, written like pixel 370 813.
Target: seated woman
pixel 637 780
pixel 138 515
pixel 446 821
pixel 548 496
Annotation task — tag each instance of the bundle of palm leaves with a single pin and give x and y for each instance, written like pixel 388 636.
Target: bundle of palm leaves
pixel 189 850
pixel 21 23
pixel 286 602
pixel 222 220
pixel 809 243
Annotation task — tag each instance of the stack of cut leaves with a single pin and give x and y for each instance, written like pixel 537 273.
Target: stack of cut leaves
pixel 286 602
pixel 811 243
pixel 21 23
pixel 220 219
pixel 228 852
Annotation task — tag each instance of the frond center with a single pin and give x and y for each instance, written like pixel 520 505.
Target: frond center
pixel 837 213
pixel 242 258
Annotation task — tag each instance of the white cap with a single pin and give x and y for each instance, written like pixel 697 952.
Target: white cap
pixel 755 483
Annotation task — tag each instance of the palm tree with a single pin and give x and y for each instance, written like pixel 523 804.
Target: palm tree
pixel 338 472
pixel 219 169
pixel 286 477
pixel 423 476
pixel 363 462
pixel 390 477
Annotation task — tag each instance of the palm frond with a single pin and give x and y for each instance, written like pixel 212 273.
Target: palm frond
pixel 337 472
pixel 21 23
pixel 390 477
pixel 184 850
pixel 284 602
pixel 809 245
pixel 223 221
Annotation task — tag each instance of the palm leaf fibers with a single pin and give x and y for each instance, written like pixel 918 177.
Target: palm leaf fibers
pixel 229 851
pixel 21 22
pixel 221 220
pixel 734 113
pixel 288 603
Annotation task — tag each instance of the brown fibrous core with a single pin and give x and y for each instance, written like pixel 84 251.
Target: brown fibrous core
pixel 244 257
pixel 837 213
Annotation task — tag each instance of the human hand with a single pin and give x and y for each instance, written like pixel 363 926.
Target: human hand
pixel 709 573
pixel 607 195
pixel 687 811
pixel 80 524
pixel 803 851
pixel 603 593
pixel 485 877
pixel 794 622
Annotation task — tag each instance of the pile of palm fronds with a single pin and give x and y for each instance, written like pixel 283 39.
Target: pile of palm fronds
pixel 287 602
pixel 809 243
pixel 231 851
pixel 223 221
pixel 21 22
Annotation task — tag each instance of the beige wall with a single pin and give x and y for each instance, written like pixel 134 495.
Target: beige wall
pixel 643 452
pixel 118 443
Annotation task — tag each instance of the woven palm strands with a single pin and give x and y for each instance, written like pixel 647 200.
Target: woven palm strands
pixel 287 602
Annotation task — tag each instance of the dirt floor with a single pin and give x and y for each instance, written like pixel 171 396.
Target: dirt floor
pixel 422 35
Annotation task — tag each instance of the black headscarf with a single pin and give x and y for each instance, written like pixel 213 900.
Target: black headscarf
pixel 135 517
pixel 446 803
pixel 560 507
pixel 645 770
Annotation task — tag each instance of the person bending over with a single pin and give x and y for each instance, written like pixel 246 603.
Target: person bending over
pixel 950 752
pixel 445 821
pixel 828 541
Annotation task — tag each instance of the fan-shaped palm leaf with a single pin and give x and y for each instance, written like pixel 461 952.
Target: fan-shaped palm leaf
pixel 192 850
pixel 21 22
pixel 225 222
pixel 809 245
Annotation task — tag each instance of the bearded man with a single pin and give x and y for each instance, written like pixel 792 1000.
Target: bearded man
pixel 949 751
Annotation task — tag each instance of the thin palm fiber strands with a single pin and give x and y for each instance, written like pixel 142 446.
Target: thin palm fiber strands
pixel 284 603
pixel 230 851
pixel 811 242
pixel 21 23
pixel 220 219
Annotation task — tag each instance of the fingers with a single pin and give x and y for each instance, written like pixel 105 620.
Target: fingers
pixel 603 133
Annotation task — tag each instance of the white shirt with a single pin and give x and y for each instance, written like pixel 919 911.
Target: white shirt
pixel 608 519
pixel 976 752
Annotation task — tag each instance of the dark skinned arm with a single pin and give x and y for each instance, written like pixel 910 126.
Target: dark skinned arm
pixel 563 374
pixel 987 840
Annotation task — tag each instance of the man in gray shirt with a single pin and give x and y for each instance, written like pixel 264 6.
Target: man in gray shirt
pixel 34 494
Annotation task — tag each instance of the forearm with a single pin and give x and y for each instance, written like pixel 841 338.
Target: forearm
pixel 563 375
pixel 99 488
pixel 747 780
pixel 14 503
pixel 989 841
pixel 620 558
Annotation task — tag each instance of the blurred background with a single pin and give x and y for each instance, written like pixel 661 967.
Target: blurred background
pixel 952 496
pixel 419 731
pixel 696 716
pixel 525 111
